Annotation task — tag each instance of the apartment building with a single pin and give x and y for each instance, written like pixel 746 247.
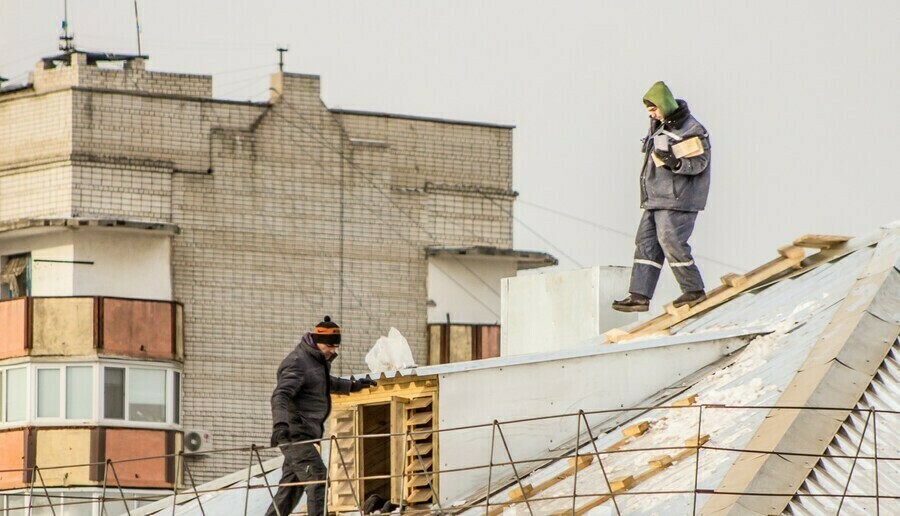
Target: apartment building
pixel 162 250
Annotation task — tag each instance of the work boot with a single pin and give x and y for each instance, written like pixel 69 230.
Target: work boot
pixel 690 298
pixel 632 303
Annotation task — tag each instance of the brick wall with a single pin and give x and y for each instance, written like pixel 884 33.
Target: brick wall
pixel 256 191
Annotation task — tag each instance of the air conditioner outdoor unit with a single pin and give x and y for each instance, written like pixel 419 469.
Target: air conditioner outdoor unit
pixel 197 441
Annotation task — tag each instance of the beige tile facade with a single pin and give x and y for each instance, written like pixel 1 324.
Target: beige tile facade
pixel 259 192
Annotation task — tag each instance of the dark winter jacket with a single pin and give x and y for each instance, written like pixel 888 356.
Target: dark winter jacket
pixel 302 398
pixel 687 188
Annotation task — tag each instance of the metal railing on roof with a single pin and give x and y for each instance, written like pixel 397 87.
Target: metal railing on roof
pixel 39 495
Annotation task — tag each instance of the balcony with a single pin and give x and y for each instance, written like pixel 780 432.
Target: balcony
pixel 77 457
pixel 78 326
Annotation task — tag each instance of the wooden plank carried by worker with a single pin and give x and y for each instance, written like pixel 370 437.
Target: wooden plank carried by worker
pixel 689 148
pixel 821 241
pixel 790 257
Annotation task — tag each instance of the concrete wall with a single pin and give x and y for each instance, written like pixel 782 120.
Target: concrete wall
pixel 560 310
pixel 466 289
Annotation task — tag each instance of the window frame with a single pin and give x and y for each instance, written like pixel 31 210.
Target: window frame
pixel 26 416
pixel 97 394
pixel 36 397
pixel 127 421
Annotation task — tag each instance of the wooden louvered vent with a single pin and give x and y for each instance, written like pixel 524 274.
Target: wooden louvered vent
pixel 420 451
pixel 343 461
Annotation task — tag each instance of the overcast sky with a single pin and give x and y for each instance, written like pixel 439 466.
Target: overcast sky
pixel 800 97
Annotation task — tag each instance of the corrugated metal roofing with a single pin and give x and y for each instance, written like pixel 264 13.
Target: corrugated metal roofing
pixel 831 474
pixel 799 309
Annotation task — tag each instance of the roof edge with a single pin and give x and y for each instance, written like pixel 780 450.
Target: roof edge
pixel 397 116
pixel 81 222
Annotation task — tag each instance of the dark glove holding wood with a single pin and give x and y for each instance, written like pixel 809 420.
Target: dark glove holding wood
pixel 280 435
pixel 671 162
pixel 362 383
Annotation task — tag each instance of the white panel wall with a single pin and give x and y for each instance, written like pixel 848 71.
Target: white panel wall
pixel 560 310
pixel 125 263
pixel 467 288
pixel 623 375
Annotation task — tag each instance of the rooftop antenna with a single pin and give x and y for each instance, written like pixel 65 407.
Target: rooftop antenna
pixel 66 41
pixel 137 26
pixel 281 51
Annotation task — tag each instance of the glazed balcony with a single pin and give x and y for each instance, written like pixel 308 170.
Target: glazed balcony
pixel 79 326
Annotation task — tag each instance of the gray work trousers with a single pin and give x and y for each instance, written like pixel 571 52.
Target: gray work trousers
pixel 663 234
pixel 302 463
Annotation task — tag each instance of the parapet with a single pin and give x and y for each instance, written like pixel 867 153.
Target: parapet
pixel 82 69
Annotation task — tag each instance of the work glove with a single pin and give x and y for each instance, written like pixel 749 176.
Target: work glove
pixel 671 162
pixel 280 435
pixel 362 383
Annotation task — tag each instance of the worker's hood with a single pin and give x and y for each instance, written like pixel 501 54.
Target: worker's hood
pixel 661 97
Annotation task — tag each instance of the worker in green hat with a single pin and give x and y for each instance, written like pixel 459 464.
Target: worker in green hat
pixel 674 188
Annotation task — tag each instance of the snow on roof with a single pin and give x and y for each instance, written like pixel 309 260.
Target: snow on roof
pixel 799 309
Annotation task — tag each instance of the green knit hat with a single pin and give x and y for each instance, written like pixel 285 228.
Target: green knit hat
pixel 661 96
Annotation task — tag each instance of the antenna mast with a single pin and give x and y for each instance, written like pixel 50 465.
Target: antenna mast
pixel 137 26
pixel 66 41
pixel 281 51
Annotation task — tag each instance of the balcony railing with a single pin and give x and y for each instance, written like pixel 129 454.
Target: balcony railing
pixel 76 326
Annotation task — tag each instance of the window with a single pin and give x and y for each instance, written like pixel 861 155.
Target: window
pixel 15 394
pixel 15 276
pixel 45 394
pixel 147 395
pixel 79 392
pixel 114 393
pixel 48 393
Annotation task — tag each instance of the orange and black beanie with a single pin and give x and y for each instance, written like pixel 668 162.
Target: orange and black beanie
pixel 327 332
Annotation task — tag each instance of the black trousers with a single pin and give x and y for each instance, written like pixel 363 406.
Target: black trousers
pixel 302 463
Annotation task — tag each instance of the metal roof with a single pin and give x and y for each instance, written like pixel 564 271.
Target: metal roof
pixel 798 310
pixel 835 474
pixel 223 495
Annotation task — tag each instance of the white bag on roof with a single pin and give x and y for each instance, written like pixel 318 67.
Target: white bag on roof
pixel 390 353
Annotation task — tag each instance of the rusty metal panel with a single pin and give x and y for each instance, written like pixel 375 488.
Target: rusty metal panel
pixel 63 326
pixel 12 458
pixel 124 444
pixel 137 328
pixel 60 447
pixel 179 331
pixel 13 333
pixel 490 341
